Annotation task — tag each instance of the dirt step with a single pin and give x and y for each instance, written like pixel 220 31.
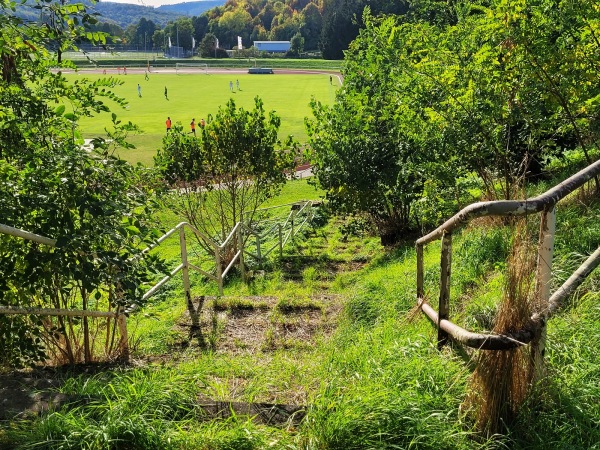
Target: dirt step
pixel 260 413
pixel 27 397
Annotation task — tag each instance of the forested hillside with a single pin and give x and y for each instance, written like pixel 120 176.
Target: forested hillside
pixel 121 14
pixel 126 14
pixel 191 8
pixel 327 26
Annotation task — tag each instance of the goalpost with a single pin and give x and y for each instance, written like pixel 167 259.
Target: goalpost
pixel 181 68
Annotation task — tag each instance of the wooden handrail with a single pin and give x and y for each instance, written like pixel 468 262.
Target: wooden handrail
pixel 12 231
pixel 542 203
pixel 514 207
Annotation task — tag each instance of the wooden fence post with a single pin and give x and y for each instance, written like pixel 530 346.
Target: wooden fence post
pixel 292 221
pixel 444 304
pixel 219 269
pixel 258 255
pixel 280 240
pixel 124 340
pixel 185 269
pixel 543 284
pixel 241 250
pixel 420 286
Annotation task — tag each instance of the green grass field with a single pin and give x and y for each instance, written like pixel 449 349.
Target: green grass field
pixel 198 95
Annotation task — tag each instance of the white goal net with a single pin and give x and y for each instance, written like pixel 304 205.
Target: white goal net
pixel 191 68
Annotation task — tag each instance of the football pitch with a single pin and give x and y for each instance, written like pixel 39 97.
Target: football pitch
pixel 196 95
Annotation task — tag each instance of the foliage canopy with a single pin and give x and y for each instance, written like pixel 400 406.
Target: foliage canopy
pixel 234 166
pixel 495 93
pixel 95 205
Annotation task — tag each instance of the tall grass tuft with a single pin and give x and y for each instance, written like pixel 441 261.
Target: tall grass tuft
pixel 501 381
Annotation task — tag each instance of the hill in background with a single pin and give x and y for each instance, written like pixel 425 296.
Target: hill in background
pixel 191 8
pixel 125 14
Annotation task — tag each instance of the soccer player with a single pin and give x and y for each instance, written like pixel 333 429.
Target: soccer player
pixel 237 83
pixel 193 125
pixel 139 90
pixel 202 123
pixel 146 77
pixel 168 124
pixel 166 96
pixel 231 86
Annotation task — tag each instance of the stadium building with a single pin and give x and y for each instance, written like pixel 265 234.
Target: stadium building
pixel 272 46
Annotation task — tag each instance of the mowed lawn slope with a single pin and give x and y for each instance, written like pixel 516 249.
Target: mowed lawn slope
pixel 198 95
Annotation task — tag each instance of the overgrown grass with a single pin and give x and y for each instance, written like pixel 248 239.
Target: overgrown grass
pixel 378 382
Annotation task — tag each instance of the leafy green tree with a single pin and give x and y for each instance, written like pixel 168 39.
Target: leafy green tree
pixel 296 45
pixel 509 85
pixel 180 32
pixel 208 46
pixel 374 149
pixel 555 44
pixel 62 22
pixel 95 205
pixel 311 26
pixel 267 15
pixel 285 31
pixel 235 165
pixel 200 24
pixel 342 20
pixel 232 24
pixel 259 34
pixel 144 32
pixel 160 40
pixel 495 91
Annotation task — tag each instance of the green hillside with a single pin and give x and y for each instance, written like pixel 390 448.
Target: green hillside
pixel 122 14
pixel 191 8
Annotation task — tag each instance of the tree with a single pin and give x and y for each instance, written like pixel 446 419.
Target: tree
pixel 236 165
pixel 296 44
pixel 144 32
pixel 235 23
pixel 266 16
pixel 375 148
pixel 208 46
pixel 180 32
pixel 259 34
pixel 285 31
pixel 494 92
pixel 342 20
pixel 159 39
pixel 63 21
pixel 95 205
pixel 200 24
pixel 311 26
pixel 508 85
